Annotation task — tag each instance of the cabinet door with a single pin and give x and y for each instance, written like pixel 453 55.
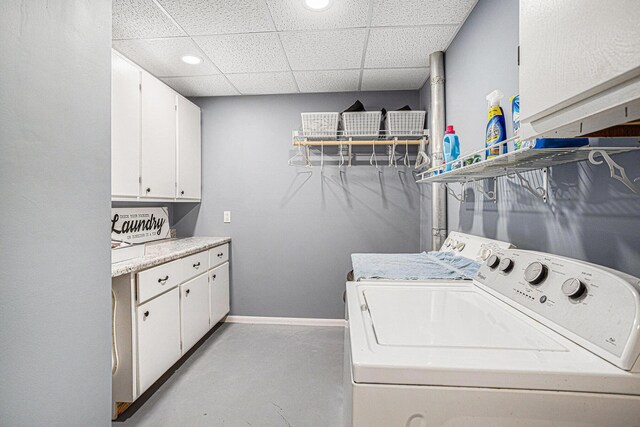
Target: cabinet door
pixel 158 139
pixel 125 127
pixel 219 290
pixel 189 148
pixel 572 49
pixel 158 337
pixel 194 310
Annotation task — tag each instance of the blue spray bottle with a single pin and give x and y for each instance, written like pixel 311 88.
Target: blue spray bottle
pixel 496 127
pixel 450 147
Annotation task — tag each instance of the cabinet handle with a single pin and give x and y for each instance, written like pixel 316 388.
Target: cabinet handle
pixel 196 265
pixel 148 190
pixel 146 314
pixel 187 291
pixel 220 255
pixel 163 280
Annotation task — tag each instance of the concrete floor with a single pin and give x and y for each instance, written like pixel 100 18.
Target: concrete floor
pixel 250 375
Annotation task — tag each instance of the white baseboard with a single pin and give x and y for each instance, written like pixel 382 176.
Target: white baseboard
pixel 300 321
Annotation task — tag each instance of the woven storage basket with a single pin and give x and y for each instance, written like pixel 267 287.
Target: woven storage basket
pixel 320 125
pixel 406 124
pixel 362 124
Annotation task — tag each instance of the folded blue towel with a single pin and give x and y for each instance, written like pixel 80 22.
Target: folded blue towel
pixel 422 266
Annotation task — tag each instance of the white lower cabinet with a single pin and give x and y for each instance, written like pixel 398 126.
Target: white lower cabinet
pixel 162 312
pixel 158 337
pixel 194 310
pixel 219 292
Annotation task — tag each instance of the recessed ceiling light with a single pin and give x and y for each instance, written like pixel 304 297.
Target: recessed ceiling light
pixel 317 5
pixel 191 59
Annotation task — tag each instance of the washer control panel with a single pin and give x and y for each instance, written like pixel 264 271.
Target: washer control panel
pixel 472 247
pixel 596 307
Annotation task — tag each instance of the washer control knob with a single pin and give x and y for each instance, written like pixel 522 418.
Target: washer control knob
pixel 573 288
pixel 493 261
pixel 460 246
pixel 485 253
pixel 535 273
pixel 506 265
pixel 447 242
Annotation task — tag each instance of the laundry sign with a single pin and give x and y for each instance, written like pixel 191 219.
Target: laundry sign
pixel 139 225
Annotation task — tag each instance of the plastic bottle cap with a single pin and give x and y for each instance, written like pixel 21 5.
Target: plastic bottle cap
pixel 494 98
pixel 450 130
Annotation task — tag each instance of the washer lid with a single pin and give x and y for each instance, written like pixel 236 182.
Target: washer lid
pixel 456 334
pixel 440 317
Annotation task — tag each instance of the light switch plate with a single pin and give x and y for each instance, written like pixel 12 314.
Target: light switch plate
pixel 227 216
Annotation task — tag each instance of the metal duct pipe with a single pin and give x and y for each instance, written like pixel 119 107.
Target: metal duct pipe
pixel 436 130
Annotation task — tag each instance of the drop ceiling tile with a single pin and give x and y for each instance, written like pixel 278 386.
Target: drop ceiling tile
pixel 205 17
pixel 263 83
pixel 294 15
pixel 245 53
pixel 406 47
pixel 328 81
pixel 201 85
pixel 162 57
pixel 420 12
pixel 324 50
pixel 394 79
pixel 137 19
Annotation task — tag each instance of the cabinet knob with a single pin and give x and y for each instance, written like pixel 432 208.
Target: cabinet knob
pixel 146 314
pixel 163 280
pixel 148 190
pixel 196 265
pixel 182 193
pixel 220 255
pixel 187 291
pixel 213 277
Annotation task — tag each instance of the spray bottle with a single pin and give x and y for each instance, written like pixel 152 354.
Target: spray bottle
pixel 496 127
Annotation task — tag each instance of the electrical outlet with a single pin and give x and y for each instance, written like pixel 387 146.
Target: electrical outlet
pixel 227 216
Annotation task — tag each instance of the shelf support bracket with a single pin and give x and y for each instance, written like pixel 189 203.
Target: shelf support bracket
pixel 453 194
pixel 541 192
pixel 489 194
pixel 616 171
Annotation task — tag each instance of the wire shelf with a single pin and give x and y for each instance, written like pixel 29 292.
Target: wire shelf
pixel 342 137
pixel 518 161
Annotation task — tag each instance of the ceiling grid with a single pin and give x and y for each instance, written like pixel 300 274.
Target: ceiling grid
pixel 253 47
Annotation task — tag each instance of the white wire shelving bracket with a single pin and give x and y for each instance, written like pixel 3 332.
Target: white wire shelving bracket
pixel 470 168
pixel 305 141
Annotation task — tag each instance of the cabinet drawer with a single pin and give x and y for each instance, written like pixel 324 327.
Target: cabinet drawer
pixel 218 255
pixel 195 264
pixel 158 337
pixel 159 279
pixel 194 310
pixel 219 292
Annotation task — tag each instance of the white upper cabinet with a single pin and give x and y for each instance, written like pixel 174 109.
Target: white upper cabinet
pixel 125 127
pixel 158 139
pixel 189 150
pixel 579 65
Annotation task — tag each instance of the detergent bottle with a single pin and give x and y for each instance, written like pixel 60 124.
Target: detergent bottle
pixel 496 127
pixel 450 147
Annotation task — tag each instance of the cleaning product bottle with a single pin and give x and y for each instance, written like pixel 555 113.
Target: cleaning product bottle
pixel 496 128
pixel 450 147
pixel 515 117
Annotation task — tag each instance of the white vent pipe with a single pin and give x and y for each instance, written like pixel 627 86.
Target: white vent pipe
pixel 436 130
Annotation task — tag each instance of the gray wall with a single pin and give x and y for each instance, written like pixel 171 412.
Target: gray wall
pixel 293 229
pixel 54 182
pixel 589 216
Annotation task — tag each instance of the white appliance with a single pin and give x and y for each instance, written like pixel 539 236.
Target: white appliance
pixel 534 340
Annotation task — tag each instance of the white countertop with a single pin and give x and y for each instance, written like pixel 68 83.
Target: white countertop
pixel 165 251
